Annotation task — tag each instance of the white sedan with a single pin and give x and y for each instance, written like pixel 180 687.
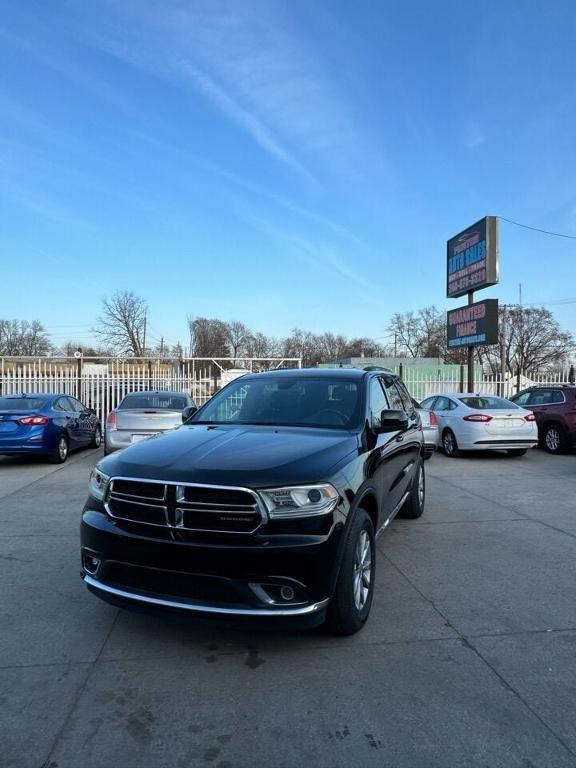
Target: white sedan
pixel 470 422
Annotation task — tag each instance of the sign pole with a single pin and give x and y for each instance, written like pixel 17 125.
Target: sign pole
pixel 470 352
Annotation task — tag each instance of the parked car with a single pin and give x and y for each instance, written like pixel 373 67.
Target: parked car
pixel 143 414
pixel 476 422
pixel 555 411
pixel 266 503
pixel 430 429
pixel 46 424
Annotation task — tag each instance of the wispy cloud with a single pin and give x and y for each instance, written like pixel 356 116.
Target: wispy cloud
pixel 251 62
pixel 473 136
pixel 317 254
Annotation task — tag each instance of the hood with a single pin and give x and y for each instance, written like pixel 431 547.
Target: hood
pixel 243 455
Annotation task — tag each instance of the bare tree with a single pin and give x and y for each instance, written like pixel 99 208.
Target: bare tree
pixel 533 342
pixel 237 336
pixel 122 324
pixel 19 337
pixel 259 345
pixel 208 337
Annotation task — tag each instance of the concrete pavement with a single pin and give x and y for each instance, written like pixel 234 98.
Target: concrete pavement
pixel 468 658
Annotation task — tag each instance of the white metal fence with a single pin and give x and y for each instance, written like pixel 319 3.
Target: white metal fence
pixel 102 385
pixel 422 385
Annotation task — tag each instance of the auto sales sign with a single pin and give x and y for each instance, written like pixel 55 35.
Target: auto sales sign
pixel 474 324
pixel 472 258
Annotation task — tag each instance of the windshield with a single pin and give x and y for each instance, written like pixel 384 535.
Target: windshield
pixel 156 401
pixel 485 403
pixel 21 403
pixel 294 401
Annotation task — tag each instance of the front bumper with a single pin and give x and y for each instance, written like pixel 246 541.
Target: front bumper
pixel 274 576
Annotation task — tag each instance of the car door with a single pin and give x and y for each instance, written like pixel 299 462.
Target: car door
pixel 411 438
pixel 541 402
pixel 75 426
pixel 86 421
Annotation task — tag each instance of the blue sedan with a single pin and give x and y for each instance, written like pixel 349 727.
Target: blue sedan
pixel 50 425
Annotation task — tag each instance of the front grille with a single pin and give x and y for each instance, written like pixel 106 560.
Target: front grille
pixel 184 507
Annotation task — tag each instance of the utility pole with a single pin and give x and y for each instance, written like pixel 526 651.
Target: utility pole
pixel 144 340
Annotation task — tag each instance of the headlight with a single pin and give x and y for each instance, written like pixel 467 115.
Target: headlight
pixel 300 500
pixel 98 484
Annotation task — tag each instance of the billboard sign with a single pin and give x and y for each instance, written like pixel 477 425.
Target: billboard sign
pixel 472 258
pixel 473 324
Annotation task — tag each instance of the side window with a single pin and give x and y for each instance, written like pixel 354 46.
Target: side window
pixel 522 399
pixel 545 397
pixel 76 405
pixel 428 404
pixel 393 395
pixel 405 396
pixel 442 404
pixel 378 402
pixel 61 404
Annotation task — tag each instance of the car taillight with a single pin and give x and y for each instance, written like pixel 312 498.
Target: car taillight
pixel 477 417
pixel 29 421
pixel 433 419
pixel 530 417
pixel 111 421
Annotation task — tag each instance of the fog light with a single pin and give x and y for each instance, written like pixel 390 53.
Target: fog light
pixel 90 563
pixel 287 593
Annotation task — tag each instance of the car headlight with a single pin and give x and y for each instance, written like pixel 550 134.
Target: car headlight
pixel 98 484
pixel 300 500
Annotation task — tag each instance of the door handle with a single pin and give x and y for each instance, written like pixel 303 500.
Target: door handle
pixel 399 438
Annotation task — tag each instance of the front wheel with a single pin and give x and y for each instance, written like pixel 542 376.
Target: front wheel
pixel 350 606
pixel 61 452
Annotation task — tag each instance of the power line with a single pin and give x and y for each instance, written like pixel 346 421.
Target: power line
pixel 537 229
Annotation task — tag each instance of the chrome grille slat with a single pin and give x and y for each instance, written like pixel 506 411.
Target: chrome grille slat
pixel 177 510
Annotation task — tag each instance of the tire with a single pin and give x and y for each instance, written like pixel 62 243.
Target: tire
pixel 449 444
pixel 517 452
pixel 554 438
pixel 61 451
pixel 414 505
pixel 350 606
pixel 97 439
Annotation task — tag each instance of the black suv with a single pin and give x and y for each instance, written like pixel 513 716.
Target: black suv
pixel 266 503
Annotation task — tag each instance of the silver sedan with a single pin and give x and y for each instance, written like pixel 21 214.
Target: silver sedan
pixel 474 422
pixel 143 414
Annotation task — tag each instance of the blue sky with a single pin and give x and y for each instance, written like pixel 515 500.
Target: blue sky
pixel 282 162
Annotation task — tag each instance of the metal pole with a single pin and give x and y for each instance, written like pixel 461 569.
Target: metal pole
pixel 470 352
pixel 503 391
pixel 79 378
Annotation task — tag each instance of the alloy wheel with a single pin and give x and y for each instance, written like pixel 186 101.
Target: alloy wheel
pixel 448 443
pixel 97 438
pixel 552 439
pixel 421 488
pixel 362 573
pixel 62 449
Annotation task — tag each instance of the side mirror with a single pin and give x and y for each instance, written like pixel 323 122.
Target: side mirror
pixel 92 411
pixel 190 410
pixel 392 420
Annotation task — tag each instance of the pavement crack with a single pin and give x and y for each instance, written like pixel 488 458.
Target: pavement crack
pixel 467 643
pixel 79 693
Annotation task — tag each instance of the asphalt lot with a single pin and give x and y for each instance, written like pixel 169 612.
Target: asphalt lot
pixel 469 657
